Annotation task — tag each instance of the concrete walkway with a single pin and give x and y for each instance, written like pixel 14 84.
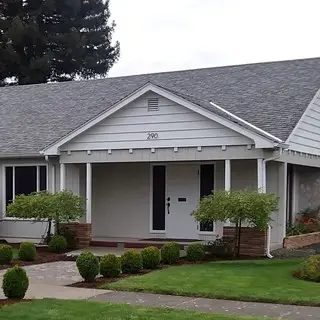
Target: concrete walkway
pixel 50 280
pixel 263 310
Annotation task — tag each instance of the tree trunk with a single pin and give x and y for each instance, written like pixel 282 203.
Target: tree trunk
pixel 239 238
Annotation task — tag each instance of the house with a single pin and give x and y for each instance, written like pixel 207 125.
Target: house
pixel 143 149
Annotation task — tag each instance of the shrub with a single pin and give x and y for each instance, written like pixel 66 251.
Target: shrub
pixel 27 251
pixel 131 261
pixel 6 254
pixel 150 257
pixel 58 244
pixel 110 266
pixel 195 252
pixel 311 269
pixel 15 283
pixel 70 236
pixel 170 252
pixel 88 266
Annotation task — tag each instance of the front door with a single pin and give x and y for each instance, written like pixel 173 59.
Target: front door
pixel 182 197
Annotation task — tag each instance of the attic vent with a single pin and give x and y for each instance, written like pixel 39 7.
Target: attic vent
pixel 153 104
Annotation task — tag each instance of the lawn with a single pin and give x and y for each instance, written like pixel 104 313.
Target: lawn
pixel 15 253
pixel 263 280
pixel 84 310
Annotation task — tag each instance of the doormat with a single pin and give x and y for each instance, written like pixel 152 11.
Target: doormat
pixel 170 239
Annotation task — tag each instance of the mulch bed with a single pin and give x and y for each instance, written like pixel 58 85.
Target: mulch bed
pixel 43 256
pixel 6 302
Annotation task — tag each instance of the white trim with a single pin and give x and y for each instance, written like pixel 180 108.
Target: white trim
pixel 302 117
pixel 13 166
pixel 246 123
pixel 227 175
pixel 260 175
pixel 260 141
pixel 88 192
pixel 53 178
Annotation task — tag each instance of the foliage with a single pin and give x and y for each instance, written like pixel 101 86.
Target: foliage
pixel 57 244
pixel 170 252
pixel 63 206
pixel 88 266
pixel 15 283
pixel 238 206
pixel 196 252
pixel 304 223
pixel 131 261
pixel 223 246
pixel 70 236
pixel 311 269
pixel 6 254
pixel 150 257
pixel 55 40
pixel 27 251
pixel 110 266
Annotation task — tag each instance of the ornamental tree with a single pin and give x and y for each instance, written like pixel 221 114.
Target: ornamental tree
pixel 252 208
pixel 63 206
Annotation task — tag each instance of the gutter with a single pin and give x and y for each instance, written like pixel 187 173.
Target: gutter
pixel 268 254
pixel 270 136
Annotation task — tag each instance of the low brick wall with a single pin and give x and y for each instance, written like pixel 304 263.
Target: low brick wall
pixel 81 230
pixel 253 241
pixel 301 240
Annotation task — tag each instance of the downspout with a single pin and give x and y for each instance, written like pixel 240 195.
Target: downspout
pixel 268 254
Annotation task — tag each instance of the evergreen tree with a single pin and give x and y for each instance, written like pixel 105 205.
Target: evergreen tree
pixel 56 40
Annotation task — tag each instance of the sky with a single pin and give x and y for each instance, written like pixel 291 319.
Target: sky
pixel 166 35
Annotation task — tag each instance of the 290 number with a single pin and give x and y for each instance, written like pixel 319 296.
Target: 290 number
pixel 152 135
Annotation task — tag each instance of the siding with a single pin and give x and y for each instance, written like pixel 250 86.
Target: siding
pixel 306 135
pixel 174 125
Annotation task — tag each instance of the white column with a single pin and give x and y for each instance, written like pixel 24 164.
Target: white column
pixel 13 183
pixel 88 192
pixel 227 175
pixel 38 178
pixel 62 176
pixel 261 175
pixel 53 178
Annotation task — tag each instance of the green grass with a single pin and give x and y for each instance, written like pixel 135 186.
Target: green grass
pixel 264 280
pixel 84 310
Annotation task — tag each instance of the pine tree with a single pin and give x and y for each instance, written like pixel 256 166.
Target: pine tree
pixel 57 40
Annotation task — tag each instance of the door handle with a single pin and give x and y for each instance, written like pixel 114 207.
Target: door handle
pixel 168 205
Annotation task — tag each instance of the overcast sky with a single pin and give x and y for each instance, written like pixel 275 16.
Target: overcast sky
pixel 163 35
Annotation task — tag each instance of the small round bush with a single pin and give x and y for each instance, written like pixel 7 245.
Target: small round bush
pixel 110 266
pixel 6 254
pixel 311 268
pixel 131 261
pixel 88 266
pixel 170 253
pixel 150 258
pixel 15 283
pixel 195 252
pixel 27 251
pixel 58 244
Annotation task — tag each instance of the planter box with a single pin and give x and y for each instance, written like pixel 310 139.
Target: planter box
pixel 301 240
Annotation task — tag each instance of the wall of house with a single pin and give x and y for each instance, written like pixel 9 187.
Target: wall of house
pixel 306 135
pixel 171 126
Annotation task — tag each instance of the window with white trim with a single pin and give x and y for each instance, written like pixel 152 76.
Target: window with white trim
pixel 24 180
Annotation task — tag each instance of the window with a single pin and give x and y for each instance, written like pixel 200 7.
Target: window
pixel 24 180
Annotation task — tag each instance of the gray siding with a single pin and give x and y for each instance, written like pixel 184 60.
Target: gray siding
pixel 174 125
pixel 306 135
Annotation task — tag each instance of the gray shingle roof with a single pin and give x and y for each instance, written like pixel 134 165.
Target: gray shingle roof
pixel 272 96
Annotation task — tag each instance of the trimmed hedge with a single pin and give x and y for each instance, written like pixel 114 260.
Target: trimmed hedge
pixel 88 266
pixel 170 253
pixel 196 252
pixel 27 251
pixel 6 254
pixel 131 261
pixel 311 269
pixel 150 257
pixel 110 266
pixel 58 244
pixel 15 283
